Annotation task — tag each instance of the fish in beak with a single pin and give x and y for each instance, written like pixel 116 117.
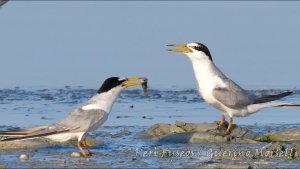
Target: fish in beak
pixel 135 81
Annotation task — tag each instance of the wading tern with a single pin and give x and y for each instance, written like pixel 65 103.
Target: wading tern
pixel 88 117
pixel 223 93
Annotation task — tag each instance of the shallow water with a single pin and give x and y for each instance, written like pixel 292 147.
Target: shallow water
pixel 132 113
pixel 27 107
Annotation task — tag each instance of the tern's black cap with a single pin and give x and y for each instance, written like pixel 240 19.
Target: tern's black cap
pixel 110 83
pixel 203 48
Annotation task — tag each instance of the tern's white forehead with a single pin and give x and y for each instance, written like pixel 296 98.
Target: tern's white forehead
pixel 122 78
pixel 192 44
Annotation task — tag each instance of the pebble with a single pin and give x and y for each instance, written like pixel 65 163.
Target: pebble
pixel 75 154
pixel 126 151
pixel 23 157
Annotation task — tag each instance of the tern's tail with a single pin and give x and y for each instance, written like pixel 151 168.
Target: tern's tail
pixel 30 133
pixel 256 107
pixel 280 104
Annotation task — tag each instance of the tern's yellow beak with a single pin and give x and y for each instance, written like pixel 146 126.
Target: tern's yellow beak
pixel 180 48
pixel 134 81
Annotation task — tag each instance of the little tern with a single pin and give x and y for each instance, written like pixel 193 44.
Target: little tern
pixel 220 91
pixel 88 117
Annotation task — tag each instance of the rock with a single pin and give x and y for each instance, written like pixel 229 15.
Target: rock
pixel 123 132
pixel 288 135
pixel 42 142
pixel 295 150
pixel 162 129
pixel 23 157
pixel 25 144
pixel 196 127
pixel 183 132
pixel 229 164
pixel 279 150
pixel 233 166
pixel 75 154
pixel 2 166
pixel 195 137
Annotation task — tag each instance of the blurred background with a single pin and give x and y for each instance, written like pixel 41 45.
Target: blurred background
pixel 52 44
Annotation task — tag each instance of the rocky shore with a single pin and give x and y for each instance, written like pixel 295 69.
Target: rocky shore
pixel 182 132
pixel 184 145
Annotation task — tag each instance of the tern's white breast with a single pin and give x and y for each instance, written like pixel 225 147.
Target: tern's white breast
pixel 207 79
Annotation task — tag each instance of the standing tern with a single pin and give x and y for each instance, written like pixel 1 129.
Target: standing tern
pixel 223 93
pixel 87 117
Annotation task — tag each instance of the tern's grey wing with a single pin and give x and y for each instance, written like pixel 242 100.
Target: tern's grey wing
pixel 232 98
pixel 28 133
pixel 22 131
pixel 77 121
pixel 83 120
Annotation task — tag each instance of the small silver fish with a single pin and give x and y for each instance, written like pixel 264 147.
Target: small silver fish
pixel 145 86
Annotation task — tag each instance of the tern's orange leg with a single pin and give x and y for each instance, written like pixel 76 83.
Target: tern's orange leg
pixel 221 122
pixel 228 131
pixel 87 148
pixel 81 150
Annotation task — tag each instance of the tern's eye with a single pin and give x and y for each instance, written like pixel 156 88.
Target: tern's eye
pixel 197 48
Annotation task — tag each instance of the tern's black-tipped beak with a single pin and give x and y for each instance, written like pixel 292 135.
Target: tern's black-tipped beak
pixel 134 81
pixel 180 48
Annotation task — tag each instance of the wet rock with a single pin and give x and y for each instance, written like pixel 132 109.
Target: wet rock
pixel 199 133
pixel 195 137
pixel 295 150
pixel 288 135
pixel 24 157
pixel 162 129
pixel 233 166
pixel 121 133
pixel 196 127
pixel 11 145
pixel 278 150
pixel 75 154
pixel 42 142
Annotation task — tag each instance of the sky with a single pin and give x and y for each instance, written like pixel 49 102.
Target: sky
pixel 52 44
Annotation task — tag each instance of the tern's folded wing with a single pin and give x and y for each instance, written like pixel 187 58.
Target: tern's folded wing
pixel 83 120
pixel 234 99
pixel 29 133
pixel 78 121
